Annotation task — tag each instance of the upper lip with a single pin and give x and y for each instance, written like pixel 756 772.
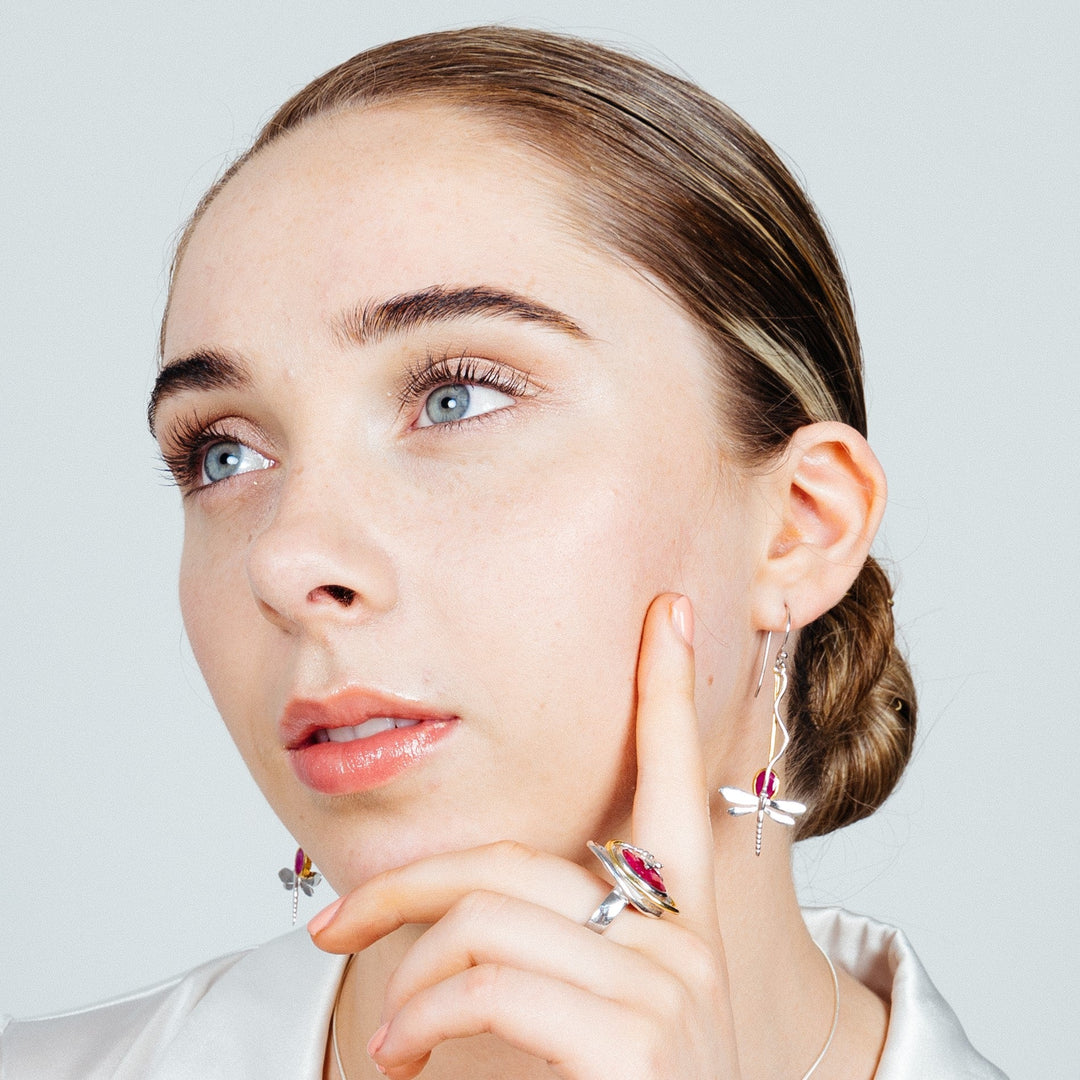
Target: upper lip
pixel 347 708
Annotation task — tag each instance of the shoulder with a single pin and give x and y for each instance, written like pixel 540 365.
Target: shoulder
pixel 254 1013
pixel 94 1041
pixel 924 1038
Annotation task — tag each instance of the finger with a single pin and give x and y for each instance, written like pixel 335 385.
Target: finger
pixel 549 1019
pixel 671 802
pixel 491 929
pixel 423 891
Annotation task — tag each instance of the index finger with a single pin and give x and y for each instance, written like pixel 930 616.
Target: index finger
pixel 671 803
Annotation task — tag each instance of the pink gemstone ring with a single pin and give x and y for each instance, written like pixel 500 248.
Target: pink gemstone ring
pixel 638 883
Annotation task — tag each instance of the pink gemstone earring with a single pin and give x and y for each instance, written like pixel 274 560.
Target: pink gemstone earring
pixel 767 783
pixel 300 877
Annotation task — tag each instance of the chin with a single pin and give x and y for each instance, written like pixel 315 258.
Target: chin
pixel 350 846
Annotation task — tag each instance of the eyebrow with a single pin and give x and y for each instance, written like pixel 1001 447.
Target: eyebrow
pixel 207 369
pixel 367 324
pixel 371 323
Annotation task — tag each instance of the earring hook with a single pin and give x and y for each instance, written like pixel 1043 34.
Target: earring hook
pixel 768 643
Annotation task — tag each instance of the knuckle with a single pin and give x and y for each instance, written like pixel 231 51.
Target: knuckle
pixel 390 891
pixel 478 906
pixel 480 985
pixel 668 996
pixel 513 851
pixel 701 966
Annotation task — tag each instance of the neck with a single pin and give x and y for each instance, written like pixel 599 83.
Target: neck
pixel 782 991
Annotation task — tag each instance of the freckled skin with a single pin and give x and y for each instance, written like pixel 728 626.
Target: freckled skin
pixel 503 567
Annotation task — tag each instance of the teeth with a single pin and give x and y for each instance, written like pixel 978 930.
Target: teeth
pixel 374 726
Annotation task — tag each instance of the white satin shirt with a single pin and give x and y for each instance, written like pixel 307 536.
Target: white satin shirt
pixel 265 1013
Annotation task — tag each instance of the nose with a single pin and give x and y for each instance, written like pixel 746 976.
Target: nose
pixel 316 562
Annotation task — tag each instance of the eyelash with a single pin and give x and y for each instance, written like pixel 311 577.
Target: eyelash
pixel 190 437
pixel 435 371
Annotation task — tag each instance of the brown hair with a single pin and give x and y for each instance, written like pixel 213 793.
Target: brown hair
pixel 666 175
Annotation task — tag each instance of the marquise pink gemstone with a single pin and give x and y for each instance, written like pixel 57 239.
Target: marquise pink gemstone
pixel 298 862
pixel 647 873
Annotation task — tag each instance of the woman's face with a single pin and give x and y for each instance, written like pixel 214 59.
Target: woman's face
pixel 438 455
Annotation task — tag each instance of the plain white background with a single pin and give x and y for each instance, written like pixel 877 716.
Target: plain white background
pixel 938 141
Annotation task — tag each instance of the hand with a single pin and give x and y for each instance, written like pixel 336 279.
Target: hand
pixel 508 952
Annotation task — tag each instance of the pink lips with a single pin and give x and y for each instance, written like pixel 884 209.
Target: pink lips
pixel 334 762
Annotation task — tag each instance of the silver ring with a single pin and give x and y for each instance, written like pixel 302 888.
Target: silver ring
pixel 637 884
pixel 605 914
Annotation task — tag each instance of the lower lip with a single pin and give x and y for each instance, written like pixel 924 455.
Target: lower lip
pixel 345 768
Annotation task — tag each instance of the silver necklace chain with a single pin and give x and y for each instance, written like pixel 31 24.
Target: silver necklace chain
pixel 835 1017
pixel 806 1076
pixel 333 1019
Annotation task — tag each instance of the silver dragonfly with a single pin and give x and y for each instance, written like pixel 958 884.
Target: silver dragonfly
pixel 784 811
pixel 301 877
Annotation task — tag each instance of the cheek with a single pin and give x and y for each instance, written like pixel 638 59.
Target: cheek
pixel 544 588
pixel 217 605
pixel 545 637
pixel 557 579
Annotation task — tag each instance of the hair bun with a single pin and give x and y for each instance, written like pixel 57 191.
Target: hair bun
pixel 852 711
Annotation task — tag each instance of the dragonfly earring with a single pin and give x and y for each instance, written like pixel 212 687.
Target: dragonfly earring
pixel 767 783
pixel 300 877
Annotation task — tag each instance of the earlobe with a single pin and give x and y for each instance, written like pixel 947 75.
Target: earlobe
pixel 829 496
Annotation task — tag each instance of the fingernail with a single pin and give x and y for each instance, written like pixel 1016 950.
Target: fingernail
pixel 325 917
pixel 375 1043
pixel 682 618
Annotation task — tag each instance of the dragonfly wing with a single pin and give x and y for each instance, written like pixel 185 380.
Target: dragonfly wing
pixel 288 878
pixel 738 796
pixel 737 811
pixel 788 807
pixel 778 815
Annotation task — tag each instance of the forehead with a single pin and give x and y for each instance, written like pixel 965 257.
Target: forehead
pixel 375 203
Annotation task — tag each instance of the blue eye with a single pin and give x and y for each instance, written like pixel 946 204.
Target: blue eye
pixel 224 459
pixel 457 401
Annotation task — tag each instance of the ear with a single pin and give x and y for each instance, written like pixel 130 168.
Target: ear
pixel 827 497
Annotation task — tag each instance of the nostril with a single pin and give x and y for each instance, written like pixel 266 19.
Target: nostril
pixel 341 593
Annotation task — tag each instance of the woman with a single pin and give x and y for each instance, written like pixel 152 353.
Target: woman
pixel 515 399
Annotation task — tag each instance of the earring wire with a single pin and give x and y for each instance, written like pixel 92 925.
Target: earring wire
pixel 768 645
